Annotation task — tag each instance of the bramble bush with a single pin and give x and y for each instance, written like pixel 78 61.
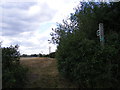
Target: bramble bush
pixel 13 74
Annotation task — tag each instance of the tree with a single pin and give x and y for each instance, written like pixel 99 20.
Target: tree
pixel 40 55
pixel 52 55
pixel 79 54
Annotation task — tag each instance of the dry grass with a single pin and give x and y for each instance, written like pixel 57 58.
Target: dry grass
pixel 43 73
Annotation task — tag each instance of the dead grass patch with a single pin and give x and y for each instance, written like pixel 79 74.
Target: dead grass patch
pixel 43 73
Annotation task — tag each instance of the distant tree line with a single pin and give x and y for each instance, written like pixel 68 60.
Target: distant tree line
pixel 51 55
pixel 32 55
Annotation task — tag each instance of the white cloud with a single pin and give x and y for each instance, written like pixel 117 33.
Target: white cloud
pixel 34 10
pixel 29 23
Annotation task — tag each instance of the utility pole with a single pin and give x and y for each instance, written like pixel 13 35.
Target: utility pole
pixel 100 33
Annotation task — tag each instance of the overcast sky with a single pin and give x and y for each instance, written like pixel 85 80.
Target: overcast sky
pixel 28 23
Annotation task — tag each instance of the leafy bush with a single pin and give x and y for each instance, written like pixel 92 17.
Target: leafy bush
pixel 86 63
pixel 79 53
pixel 13 74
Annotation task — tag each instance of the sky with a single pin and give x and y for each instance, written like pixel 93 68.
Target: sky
pixel 29 23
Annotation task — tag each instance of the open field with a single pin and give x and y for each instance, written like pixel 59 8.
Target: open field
pixel 43 73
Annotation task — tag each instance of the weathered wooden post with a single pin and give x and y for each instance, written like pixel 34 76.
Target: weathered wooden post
pixel 100 33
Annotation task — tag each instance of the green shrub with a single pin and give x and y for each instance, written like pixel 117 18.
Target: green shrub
pixel 79 53
pixel 13 74
pixel 86 63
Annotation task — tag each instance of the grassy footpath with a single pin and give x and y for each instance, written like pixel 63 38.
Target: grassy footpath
pixel 43 73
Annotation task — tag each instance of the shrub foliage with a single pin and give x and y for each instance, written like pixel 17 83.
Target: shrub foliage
pixel 13 74
pixel 79 53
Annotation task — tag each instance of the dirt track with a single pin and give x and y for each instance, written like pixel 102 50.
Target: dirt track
pixel 43 73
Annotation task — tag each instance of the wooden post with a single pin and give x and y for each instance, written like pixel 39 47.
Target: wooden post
pixel 100 33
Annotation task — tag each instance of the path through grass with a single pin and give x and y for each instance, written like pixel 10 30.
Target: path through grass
pixel 43 73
